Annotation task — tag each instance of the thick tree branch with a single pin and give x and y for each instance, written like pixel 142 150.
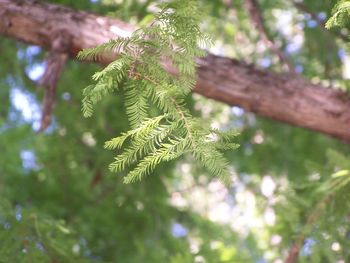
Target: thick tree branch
pixel 282 97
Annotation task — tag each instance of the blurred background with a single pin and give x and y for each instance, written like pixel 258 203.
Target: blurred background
pixel 60 203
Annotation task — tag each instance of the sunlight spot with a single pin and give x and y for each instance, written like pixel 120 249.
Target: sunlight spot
pixel 322 16
pixel 264 62
pixel 268 186
pixel 178 200
pixel 66 96
pixel 28 160
pixel 199 259
pixel 299 68
pixel 120 32
pixel 311 23
pixel 139 205
pixel 28 53
pixel 336 246
pixel 194 245
pixel 100 21
pixel 178 230
pixel 314 177
pixel 275 240
pixel 62 131
pixel 237 111
pixel 307 248
pixel 18 213
pixel 39 246
pixel 88 139
pixel 284 22
pixel 270 216
pixel 35 71
pixel 346 67
pixel 341 54
pixel 185 168
pixel 76 249
pixel 215 244
pixel 26 104
pixel 258 138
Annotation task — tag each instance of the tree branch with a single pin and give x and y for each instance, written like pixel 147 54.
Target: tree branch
pixel 310 222
pixel 321 23
pixel 54 65
pixel 283 97
pixel 257 20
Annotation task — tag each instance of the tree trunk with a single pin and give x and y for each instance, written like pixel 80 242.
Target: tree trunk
pixel 283 97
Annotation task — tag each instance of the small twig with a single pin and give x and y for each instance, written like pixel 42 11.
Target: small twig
pixel 256 18
pixel 310 221
pixel 321 23
pixel 96 179
pixel 55 63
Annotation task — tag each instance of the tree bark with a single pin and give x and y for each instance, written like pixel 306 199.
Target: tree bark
pixel 282 97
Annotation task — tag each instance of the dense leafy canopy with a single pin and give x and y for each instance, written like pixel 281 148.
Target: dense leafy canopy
pixel 61 203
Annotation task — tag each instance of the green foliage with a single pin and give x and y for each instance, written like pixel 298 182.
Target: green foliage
pixel 318 213
pixel 69 186
pixel 25 235
pixel 171 39
pixel 340 15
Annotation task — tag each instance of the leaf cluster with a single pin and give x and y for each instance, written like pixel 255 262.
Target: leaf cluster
pixel 340 17
pixel 171 41
pixel 30 236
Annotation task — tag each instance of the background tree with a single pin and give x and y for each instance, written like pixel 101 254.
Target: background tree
pixel 288 196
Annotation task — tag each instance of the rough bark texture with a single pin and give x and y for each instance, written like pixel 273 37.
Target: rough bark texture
pixel 55 63
pixel 282 97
